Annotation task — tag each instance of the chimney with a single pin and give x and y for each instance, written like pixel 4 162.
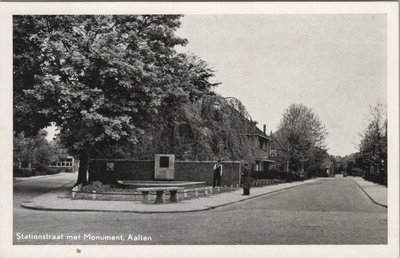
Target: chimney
pixel 264 127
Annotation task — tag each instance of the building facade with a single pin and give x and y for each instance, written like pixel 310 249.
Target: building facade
pixel 263 149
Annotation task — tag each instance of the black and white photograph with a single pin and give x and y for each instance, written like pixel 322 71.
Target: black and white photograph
pixel 217 129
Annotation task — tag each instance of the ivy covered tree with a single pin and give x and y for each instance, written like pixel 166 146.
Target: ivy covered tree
pixel 104 80
pixel 215 127
pixel 208 128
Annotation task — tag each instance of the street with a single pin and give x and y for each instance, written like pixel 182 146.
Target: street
pixel 330 211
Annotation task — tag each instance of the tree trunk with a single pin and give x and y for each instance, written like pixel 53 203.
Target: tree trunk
pixel 82 171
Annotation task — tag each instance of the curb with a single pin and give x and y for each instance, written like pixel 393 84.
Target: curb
pixel 172 211
pixel 369 196
pixel 117 211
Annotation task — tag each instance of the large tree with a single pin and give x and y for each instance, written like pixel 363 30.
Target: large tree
pixel 373 145
pixel 300 137
pixel 103 80
pixel 314 164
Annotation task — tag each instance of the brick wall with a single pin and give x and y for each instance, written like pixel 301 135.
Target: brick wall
pixel 123 170
pixel 144 170
pixel 203 171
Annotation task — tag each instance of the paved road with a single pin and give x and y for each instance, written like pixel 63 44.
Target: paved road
pixel 27 188
pixel 331 211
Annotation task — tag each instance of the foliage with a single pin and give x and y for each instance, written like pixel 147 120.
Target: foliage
pixel 27 61
pixel 373 145
pixel 209 128
pixel 350 167
pixel 299 136
pixel 104 80
pixel 359 161
pixel 23 172
pixel 314 165
pixel 36 150
pixel 60 151
pixel 214 127
pixel 22 148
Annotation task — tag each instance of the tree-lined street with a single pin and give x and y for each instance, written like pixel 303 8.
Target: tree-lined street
pixel 124 97
pixel 330 211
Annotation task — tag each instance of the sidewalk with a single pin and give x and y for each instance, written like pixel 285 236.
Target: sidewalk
pixel 61 201
pixel 377 193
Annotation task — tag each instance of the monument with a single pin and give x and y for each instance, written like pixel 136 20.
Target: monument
pixel 164 166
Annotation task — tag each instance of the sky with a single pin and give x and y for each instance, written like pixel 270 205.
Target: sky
pixel 335 64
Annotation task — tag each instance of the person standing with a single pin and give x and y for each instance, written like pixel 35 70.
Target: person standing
pixel 246 180
pixel 217 173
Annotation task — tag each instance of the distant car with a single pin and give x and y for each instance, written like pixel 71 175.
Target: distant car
pixel 345 174
pixel 302 178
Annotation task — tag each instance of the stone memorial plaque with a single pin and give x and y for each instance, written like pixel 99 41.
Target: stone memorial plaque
pixel 164 166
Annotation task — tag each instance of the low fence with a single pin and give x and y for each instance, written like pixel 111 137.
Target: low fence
pixel 110 170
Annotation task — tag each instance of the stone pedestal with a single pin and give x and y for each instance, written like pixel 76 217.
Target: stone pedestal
pixel 173 196
pixel 160 197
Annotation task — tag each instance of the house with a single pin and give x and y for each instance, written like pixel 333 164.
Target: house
pixel 67 163
pixel 263 149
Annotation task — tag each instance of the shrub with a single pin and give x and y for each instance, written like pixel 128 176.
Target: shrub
pixel 44 170
pixel 97 186
pixel 357 172
pixel 24 172
pixel 322 173
pixel 258 174
pixel 68 169
pixel 273 173
pixel 277 181
pixel 282 175
pixel 40 169
pixel 296 176
pixel 40 172
pixel 52 171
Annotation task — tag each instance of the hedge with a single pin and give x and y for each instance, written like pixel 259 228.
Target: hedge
pixel 40 171
pixel 24 172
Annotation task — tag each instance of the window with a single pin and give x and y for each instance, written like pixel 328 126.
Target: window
pixel 272 152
